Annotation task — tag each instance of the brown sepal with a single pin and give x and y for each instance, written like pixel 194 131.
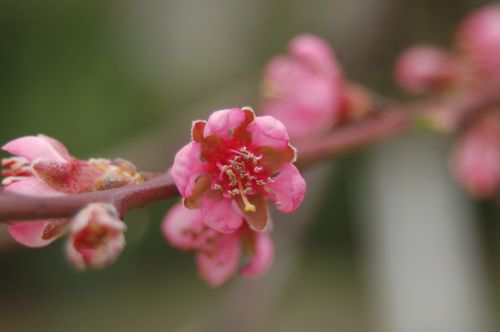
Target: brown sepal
pixel 259 219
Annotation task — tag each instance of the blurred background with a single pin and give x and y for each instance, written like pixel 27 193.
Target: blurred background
pixel 386 241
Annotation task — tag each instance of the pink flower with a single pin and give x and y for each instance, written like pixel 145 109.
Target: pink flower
pixel 425 68
pixel 96 237
pixel 304 88
pixel 234 163
pixel 217 254
pixel 20 180
pixel 479 37
pixel 42 166
pixel 476 160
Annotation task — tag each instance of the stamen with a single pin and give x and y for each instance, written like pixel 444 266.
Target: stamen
pixel 249 207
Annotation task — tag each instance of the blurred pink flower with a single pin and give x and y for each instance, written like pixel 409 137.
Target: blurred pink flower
pixel 19 179
pixel 476 159
pixel 42 166
pixel 304 89
pixel 96 237
pixel 424 69
pixel 234 163
pixel 479 37
pixel 217 254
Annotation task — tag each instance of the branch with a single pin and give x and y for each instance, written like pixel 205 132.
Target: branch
pixel 21 207
pixel 388 121
pixel 352 137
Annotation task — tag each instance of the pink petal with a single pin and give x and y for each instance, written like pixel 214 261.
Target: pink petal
pixel 37 147
pixel 220 264
pixel 58 146
pixel 268 131
pixel 262 258
pixel 31 186
pixel 183 227
pixel 305 101
pixel 223 122
pixel 316 52
pixel 221 215
pixel 476 159
pixel 289 188
pixel 36 233
pixel 187 168
pixel 479 36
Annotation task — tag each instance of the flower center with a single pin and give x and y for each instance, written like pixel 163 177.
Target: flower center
pixel 14 168
pixel 241 174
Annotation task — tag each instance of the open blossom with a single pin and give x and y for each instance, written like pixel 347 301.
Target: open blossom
pixel 42 166
pixel 304 89
pixel 476 161
pixel 479 37
pixel 233 165
pixel 425 68
pixel 218 255
pixel 96 237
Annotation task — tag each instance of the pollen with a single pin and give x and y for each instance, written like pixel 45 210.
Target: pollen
pixel 241 174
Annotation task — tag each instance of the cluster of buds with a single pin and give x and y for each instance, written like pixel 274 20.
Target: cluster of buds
pixel 42 166
pixel 307 91
pixel 235 163
pixel 471 65
pixel 469 71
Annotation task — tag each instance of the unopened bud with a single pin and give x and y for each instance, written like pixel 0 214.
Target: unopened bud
pixel 96 237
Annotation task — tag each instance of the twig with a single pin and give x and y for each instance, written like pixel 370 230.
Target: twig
pixel 21 207
pixel 391 120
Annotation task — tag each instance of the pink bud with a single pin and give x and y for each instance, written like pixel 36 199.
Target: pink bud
pixel 315 52
pixel 304 88
pixel 479 37
pixel 424 69
pixel 476 160
pixel 96 237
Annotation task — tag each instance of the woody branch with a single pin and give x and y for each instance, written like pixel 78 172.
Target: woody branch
pixel 385 121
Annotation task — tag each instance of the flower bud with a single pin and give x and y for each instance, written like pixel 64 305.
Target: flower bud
pixel 479 37
pixel 476 161
pixel 96 237
pixel 424 69
pixel 304 88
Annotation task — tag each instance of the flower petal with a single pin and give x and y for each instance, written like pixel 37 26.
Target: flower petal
pixel 315 52
pixel 182 227
pixel 187 168
pixel 268 131
pixel 262 258
pixel 31 186
pixel 221 263
pixel 37 233
pixel 288 188
pixel 37 147
pixel 220 215
pixel 224 122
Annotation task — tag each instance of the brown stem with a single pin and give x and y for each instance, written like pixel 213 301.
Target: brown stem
pixel 352 137
pixel 390 120
pixel 20 207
